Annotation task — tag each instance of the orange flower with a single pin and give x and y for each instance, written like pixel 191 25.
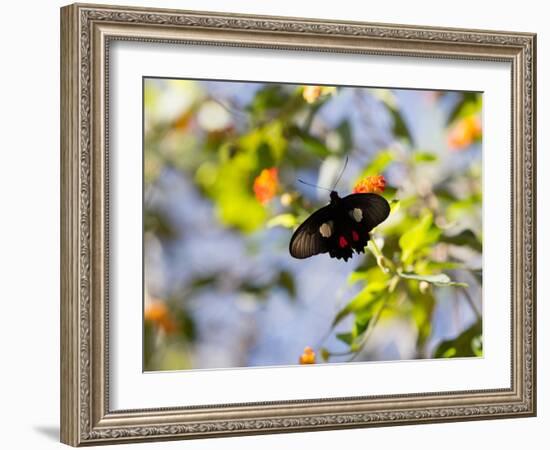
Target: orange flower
pixel 159 315
pixel 265 185
pixel 311 93
pixel 308 357
pixel 373 183
pixel 464 132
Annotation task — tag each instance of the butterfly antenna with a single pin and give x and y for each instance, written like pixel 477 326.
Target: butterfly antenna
pixel 341 173
pixel 313 185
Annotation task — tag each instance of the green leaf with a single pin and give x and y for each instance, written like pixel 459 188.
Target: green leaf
pixel 240 211
pixel 374 274
pixel 440 279
pixel 283 220
pixel 400 129
pixel 394 205
pixel 361 324
pixel 346 338
pixel 458 209
pixel 477 345
pixel 417 238
pixel 344 129
pixel 424 157
pixel 264 146
pixel 172 357
pixel 269 97
pixel 464 238
pixel 356 276
pixel 274 137
pixel 204 282
pixel 380 162
pixel 186 323
pixel 366 300
pixel 471 103
pixel 159 224
pixel 387 97
pixel 259 292
pixel 423 304
pixel 311 143
pixel 149 339
pixel 467 343
pixel 230 186
pixel 449 353
pixel 438 266
pixel 286 281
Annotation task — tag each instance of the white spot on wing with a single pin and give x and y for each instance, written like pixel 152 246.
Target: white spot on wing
pixel 326 230
pixel 356 214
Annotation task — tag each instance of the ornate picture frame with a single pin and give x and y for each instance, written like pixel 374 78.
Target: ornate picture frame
pixel 87 31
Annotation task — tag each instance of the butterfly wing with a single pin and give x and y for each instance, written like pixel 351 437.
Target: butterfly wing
pixel 361 213
pixel 307 240
pixel 374 208
pixel 340 228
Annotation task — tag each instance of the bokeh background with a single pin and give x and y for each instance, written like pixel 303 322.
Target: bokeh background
pixel 221 200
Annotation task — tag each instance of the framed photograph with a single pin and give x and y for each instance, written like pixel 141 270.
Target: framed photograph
pixel 277 225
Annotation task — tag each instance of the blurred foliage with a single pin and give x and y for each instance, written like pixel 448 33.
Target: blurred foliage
pixel 468 343
pixel 244 159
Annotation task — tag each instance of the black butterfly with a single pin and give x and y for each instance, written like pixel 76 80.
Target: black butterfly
pixel 340 227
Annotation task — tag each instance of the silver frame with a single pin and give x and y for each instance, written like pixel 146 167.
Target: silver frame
pixel 86 33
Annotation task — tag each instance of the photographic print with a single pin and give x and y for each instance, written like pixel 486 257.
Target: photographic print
pixel 253 201
pixel 289 224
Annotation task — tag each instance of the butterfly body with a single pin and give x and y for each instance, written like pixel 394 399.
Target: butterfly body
pixel 341 227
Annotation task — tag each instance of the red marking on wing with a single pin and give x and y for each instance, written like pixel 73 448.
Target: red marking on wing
pixel 354 235
pixel 343 243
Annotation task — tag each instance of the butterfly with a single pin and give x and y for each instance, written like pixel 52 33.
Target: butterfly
pixel 340 227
